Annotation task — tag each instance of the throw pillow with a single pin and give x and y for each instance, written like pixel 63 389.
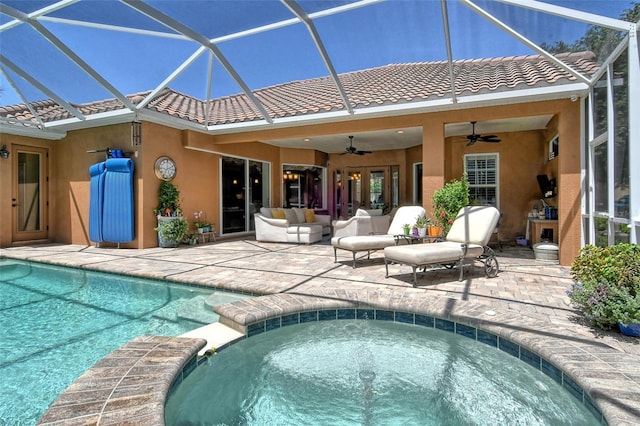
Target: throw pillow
pixel 309 216
pixel 299 213
pixel 266 212
pixel 291 216
pixel 277 214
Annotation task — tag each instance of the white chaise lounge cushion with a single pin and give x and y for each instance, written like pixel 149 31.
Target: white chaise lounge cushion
pixel 363 243
pixel 474 225
pixel 425 254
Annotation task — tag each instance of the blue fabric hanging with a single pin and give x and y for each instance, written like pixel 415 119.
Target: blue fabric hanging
pixel 96 201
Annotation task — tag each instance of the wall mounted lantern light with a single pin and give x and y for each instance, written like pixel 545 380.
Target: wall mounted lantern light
pixel 4 152
pixel 136 133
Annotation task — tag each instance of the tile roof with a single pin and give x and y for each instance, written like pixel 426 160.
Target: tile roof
pixel 386 85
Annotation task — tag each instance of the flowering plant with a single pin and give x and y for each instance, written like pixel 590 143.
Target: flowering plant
pixel 448 200
pixel 607 284
pixel 200 219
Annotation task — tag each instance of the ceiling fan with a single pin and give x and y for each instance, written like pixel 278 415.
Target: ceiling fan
pixel 474 137
pixel 352 150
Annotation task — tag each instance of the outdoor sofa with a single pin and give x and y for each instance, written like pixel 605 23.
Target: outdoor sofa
pixel 294 225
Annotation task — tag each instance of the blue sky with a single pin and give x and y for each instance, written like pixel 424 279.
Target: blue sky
pixel 376 35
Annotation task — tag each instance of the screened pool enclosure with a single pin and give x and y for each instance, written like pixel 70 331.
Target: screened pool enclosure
pixel 74 51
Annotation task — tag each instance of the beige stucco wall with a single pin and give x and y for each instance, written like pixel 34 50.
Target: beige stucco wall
pixel 522 156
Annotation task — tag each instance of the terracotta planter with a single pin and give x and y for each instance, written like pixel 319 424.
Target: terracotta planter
pixel 435 231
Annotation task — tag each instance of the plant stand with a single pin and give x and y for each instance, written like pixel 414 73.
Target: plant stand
pixel 206 237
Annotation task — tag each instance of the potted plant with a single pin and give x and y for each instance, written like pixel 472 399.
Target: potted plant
pixel 168 200
pixel 406 228
pixel 167 212
pixel 172 232
pixel 199 222
pixel 421 225
pixel 192 239
pixel 607 286
pixel 448 200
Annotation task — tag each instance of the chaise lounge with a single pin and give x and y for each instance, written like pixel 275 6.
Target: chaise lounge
pixel 373 242
pixel 467 239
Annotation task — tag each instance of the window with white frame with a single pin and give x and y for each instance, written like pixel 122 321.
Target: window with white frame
pixel 483 175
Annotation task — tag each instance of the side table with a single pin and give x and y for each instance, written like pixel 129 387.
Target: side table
pixel 206 237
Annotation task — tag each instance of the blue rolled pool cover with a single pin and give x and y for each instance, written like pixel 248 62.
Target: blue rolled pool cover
pixel 96 201
pixel 117 214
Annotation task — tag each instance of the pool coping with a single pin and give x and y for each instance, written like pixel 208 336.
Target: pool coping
pixel 157 364
pixel 608 373
pixel 128 386
pixel 614 393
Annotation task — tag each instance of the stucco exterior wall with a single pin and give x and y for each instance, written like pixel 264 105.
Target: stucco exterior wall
pixel 523 155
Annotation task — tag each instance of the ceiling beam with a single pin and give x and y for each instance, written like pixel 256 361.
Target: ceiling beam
pixel 171 23
pixel 447 40
pixel 302 16
pixel 171 77
pixel 524 40
pixel 64 104
pixel 51 38
pixel 574 14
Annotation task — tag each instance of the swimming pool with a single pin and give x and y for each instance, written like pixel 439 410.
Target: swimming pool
pixel 362 372
pixel 56 322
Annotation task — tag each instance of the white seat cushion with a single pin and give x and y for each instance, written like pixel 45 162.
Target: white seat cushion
pixel 363 242
pixel 425 254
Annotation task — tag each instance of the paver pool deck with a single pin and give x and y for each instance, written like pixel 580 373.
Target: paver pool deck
pixel 526 303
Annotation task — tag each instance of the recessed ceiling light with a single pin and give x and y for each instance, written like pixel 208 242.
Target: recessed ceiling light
pixel 307 140
pixel 399 132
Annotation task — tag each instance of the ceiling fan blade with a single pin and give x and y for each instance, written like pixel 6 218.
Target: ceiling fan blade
pixel 363 152
pixel 490 138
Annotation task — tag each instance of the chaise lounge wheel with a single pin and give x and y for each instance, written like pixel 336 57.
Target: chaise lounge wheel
pixel 491 267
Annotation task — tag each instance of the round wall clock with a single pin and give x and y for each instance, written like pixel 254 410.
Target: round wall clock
pixel 165 168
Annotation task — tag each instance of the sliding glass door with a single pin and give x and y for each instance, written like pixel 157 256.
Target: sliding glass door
pixel 245 188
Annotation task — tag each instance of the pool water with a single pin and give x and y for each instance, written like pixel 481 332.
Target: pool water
pixel 355 372
pixel 56 322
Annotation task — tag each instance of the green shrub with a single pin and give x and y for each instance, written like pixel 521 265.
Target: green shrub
pixel 172 231
pixel 168 200
pixel 448 200
pixel 607 284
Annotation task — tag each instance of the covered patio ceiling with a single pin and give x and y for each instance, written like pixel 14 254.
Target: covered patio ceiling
pixel 79 51
pixel 411 136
